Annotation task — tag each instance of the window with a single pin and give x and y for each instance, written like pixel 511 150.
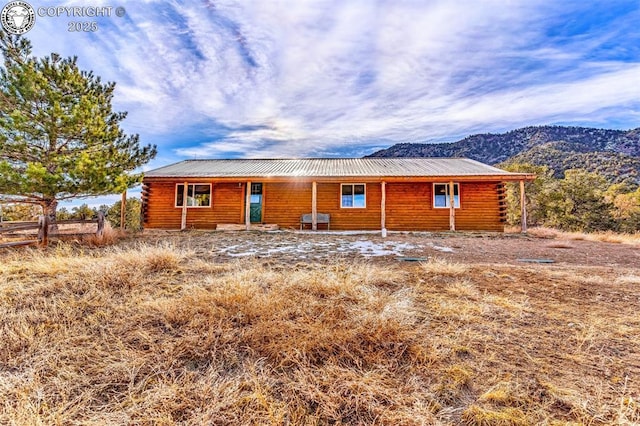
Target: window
pixel 198 194
pixel 256 193
pixel 441 195
pixel 353 195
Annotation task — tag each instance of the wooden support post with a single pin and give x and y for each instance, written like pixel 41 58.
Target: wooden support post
pixel 383 209
pixel 123 210
pixel 43 230
pixel 314 206
pixel 183 223
pixel 452 207
pixel 523 209
pixel 100 230
pixel 247 207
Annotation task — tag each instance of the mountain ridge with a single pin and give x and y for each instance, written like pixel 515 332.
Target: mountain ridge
pixel 613 153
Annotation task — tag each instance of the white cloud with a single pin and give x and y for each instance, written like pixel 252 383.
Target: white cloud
pixel 284 78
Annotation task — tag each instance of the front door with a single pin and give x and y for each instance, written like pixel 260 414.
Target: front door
pixel 255 209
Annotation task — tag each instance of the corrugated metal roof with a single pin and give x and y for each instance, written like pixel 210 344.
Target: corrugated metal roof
pixel 328 167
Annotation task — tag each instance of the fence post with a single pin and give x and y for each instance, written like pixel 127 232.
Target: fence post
pixel 100 230
pixel 43 230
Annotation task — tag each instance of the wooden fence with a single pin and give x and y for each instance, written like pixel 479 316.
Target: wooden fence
pixel 44 230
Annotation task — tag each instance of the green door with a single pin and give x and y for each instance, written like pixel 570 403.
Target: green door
pixel 255 208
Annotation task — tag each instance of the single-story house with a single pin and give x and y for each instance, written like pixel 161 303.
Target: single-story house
pixel 426 194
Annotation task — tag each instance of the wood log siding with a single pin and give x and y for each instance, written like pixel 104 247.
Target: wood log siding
pixel 144 199
pixel 160 209
pixel 350 218
pixel 284 203
pixel 502 201
pixel 409 206
pixel 480 210
pixel 161 212
pixel 227 203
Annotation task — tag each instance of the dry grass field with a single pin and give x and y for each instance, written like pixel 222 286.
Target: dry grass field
pixel 161 331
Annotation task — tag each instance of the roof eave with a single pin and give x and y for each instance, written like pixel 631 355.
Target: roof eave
pixel 466 177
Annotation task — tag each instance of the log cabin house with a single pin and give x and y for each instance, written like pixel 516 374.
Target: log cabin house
pixel 404 194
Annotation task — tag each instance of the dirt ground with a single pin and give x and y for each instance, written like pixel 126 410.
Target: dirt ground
pixel 469 248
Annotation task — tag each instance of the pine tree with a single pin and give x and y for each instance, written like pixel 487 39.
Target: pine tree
pixel 579 202
pixel 132 214
pixel 626 207
pixel 83 211
pixel 20 212
pixel 59 137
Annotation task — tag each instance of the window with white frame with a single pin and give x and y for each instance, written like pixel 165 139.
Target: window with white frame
pixel 442 196
pixel 353 195
pixel 198 195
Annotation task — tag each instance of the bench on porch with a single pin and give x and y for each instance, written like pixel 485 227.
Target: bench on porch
pixel 308 219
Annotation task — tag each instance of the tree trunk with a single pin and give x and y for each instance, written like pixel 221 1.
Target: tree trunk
pixel 49 208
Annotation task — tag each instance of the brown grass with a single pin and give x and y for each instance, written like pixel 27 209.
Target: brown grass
pixel 605 236
pixel 109 237
pixel 438 266
pixel 160 334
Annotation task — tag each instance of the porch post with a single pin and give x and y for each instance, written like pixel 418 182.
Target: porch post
pixel 523 209
pixel 314 206
pixel 452 205
pixel 183 223
pixel 383 209
pixel 247 207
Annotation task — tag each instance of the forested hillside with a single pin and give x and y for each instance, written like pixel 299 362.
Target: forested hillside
pixel 614 154
pixel 561 156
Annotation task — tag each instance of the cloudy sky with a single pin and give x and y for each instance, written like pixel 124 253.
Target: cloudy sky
pixel 298 78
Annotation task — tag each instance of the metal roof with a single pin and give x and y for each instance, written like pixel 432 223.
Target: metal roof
pixel 329 167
